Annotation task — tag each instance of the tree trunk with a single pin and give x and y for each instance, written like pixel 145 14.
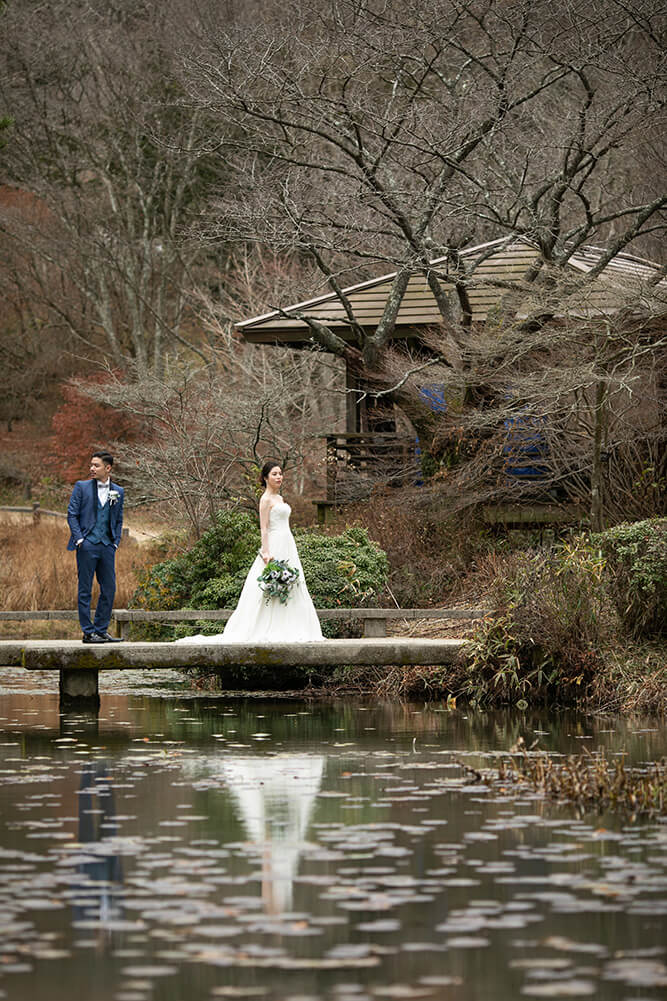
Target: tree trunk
pixel 600 416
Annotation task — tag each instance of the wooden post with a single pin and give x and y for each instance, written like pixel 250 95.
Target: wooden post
pixel 597 506
pixel 35 513
pixel 331 467
pixel 352 405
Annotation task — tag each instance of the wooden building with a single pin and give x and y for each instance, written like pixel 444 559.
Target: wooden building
pixel 488 271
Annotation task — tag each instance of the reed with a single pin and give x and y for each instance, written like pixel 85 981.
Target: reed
pixel 592 782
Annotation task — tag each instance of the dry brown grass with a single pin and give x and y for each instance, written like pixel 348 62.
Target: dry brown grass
pixel 37 571
pixel 429 552
pixel 634 679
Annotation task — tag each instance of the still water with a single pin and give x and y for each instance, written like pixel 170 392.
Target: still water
pixel 184 846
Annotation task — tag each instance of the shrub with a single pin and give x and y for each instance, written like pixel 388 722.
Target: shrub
pixel 546 639
pixel 636 574
pixel 346 569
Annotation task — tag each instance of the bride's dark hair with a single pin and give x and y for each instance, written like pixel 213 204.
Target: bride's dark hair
pixel 266 469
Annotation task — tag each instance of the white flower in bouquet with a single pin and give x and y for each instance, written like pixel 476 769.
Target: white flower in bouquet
pixel 277 580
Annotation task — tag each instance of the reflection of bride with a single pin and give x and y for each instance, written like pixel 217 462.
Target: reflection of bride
pixel 255 620
pixel 275 797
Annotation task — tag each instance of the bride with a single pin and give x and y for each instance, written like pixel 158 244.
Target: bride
pixel 255 620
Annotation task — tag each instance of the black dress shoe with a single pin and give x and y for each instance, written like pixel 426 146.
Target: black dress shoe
pixel 93 638
pixel 108 638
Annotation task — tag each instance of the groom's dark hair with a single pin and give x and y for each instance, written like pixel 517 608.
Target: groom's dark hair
pixel 106 457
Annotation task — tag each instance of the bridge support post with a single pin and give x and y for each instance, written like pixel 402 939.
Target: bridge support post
pixel 79 688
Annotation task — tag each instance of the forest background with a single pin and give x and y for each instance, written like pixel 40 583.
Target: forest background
pixel 171 169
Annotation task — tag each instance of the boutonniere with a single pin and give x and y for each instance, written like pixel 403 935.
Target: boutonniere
pixel 113 497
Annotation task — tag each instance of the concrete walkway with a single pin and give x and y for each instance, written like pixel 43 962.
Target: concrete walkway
pixel 50 655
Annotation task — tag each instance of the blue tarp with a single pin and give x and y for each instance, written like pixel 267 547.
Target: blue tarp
pixel 525 444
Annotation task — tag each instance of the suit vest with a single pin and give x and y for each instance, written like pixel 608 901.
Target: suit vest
pixel 102 530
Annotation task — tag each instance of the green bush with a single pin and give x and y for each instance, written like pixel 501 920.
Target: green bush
pixel 636 574
pixel 345 570
pixel 545 641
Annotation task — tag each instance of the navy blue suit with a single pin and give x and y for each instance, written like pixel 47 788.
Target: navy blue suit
pixel 95 559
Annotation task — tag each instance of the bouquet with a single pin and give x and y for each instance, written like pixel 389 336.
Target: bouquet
pixel 277 580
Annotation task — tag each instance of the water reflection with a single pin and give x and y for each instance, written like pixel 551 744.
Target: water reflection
pixel 274 798
pixel 84 724
pixel 336 851
pixel 96 900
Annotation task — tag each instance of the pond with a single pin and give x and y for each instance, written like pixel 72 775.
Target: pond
pixel 183 845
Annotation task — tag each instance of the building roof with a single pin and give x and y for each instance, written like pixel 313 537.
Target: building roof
pixel 490 266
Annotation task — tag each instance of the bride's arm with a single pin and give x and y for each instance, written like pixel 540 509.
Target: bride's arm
pixel 264 511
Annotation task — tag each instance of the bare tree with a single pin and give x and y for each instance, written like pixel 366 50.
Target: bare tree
pixel 32 358
pixel 372 134
pixel 306 387
pixel 207 430
pixel 353 136
pixel 100 139
pixel 572 411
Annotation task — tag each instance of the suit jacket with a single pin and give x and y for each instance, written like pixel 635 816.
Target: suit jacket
pixel 82 511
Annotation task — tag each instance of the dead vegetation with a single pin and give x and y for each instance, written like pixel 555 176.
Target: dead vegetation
pixel 591 781
pixel 38 572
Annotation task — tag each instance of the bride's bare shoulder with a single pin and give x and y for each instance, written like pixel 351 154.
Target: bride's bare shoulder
pixel 267 502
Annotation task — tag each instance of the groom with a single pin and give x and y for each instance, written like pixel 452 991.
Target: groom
pixel 95 516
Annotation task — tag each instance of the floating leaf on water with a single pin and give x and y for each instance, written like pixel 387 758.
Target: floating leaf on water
pixel 560 989
pixel 401 991
pixel 467 942
pixel 543 963
pixel 637 972
pixel 437 980
pixel 239 992
pixel 569 945
pixel 149 971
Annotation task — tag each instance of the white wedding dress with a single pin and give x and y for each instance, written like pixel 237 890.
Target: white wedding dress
pixel 257 621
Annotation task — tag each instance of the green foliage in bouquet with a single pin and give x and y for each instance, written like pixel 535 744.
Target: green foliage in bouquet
pixel 346 570
pixel 277 580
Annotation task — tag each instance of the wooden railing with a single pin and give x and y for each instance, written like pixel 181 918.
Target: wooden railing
pixel 35 509
pixel 356 462
pixel 38 512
